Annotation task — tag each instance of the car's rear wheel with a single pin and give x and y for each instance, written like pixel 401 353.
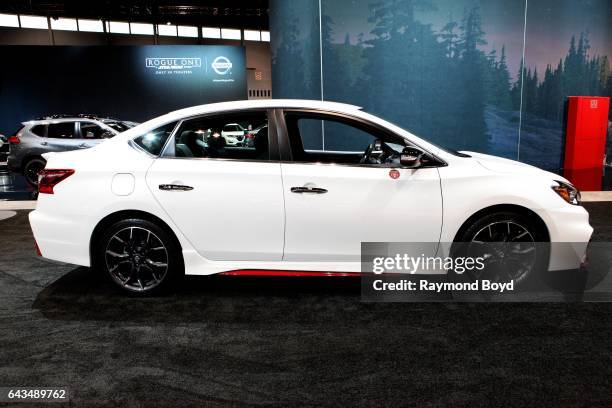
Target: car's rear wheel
pixel 513 247
pixel 32 168
pixel 139 257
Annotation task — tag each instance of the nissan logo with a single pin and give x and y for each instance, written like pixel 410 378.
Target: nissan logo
pixel 221 65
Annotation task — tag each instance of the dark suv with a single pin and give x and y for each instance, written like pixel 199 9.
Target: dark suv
pixel 57 134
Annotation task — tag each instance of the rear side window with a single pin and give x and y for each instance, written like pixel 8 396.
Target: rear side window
pixel 224 136
pixel 118 126
pixel 38 130
pixel 154 140
pixel 61 130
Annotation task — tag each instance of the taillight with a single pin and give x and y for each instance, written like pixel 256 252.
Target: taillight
pixel 49 178
pixel 14 140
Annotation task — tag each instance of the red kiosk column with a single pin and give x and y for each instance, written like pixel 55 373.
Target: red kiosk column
pixel 585 141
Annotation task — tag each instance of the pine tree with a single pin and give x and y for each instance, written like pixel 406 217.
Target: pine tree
pixel 604 72
pixel 530 90
pixel 503 99
pixel 515 93
pixel 557 93
pixel 543 94
pixel 471 69
pixel 448 38
pixel 288 83
pixel 418 58
pixel 498 81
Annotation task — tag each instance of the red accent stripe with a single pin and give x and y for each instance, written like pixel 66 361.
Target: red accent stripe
pixel 265 272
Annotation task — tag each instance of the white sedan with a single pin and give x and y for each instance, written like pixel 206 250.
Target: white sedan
pixel 160 200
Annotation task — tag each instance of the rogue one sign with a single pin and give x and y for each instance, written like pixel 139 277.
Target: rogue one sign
pixel 173 65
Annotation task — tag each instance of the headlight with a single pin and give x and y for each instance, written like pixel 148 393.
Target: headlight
pixel 567 192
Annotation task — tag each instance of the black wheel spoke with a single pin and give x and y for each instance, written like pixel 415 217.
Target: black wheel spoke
pixel 508 250
pixel 156 264
pixel 116 255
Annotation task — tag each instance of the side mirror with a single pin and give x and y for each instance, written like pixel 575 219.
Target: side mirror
pixel 411 157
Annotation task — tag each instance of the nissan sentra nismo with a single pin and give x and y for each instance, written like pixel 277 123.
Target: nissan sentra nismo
pixel 171 196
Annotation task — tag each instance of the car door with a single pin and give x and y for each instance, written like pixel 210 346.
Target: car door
pixel 90 134
pixel 333 203
pixel 227 200
pixel 61 137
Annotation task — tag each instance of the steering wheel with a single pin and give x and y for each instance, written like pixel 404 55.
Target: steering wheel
pixel 375 146
pixel 366 155
pixel 376 153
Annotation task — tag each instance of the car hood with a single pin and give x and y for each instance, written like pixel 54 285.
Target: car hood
pixel 502 165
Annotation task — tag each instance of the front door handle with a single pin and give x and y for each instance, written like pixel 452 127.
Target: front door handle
pixel 312 190
pixel 43 143
pixel 174 187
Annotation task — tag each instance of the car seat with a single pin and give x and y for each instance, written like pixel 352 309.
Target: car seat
pixel 188 145
pixel 260 142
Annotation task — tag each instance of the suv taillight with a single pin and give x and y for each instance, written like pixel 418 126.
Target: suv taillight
pixel 49 178
pixel 14 140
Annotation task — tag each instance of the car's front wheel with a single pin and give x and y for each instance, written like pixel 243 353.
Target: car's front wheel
pixel 512 246
pixel 32 168
pixel 139 257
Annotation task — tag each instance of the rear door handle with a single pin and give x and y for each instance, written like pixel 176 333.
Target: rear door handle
pixel 174 187
pixel 312 190
pixel 43 143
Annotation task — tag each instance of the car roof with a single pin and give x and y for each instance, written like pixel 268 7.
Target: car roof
pixel 263 104
pixel 66 118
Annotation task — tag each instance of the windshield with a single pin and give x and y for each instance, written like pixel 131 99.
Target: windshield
pixel 453 152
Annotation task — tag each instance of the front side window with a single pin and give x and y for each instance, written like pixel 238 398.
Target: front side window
pixel 241 136
pixel 332 139
pixel 64 130
pixel 154 140
pixel 90 130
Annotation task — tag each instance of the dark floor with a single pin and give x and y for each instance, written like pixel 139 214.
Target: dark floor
pixel 291 342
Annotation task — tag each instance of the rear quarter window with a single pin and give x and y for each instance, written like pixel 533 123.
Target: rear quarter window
pixel 154 140
pixel 39 130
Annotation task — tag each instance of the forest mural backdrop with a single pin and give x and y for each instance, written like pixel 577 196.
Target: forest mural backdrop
pixel 469 75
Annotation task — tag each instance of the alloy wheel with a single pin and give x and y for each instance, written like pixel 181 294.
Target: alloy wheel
pixel 32 170
pixel 508 249
pixel 136 259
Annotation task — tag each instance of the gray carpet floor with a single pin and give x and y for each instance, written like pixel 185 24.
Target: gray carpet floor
pixel 223 341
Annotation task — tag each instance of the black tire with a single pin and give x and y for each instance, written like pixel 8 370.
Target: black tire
pixel 139 257
pixel 32 168
pixel 515 230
